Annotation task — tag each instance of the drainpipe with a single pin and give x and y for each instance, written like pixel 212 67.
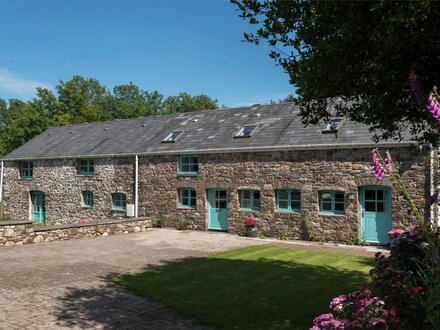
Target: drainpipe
pixel 136 185
pixel 431 182
pixel 1 183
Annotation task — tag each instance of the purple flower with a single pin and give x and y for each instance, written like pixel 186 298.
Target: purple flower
pixel 415 87
pixel 376 167
pixel 388 162
pixel 433 199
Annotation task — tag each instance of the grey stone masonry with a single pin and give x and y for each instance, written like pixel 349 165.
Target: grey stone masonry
pixel 24 232
pixel 309 171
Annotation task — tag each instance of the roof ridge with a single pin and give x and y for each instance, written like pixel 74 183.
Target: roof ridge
pixel 167 115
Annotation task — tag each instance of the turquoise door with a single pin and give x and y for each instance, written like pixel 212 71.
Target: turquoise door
pixel 375 207
pixel 38 200
pixel 218 209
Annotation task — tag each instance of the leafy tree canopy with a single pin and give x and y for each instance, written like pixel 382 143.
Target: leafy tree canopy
pixel 82 100
pixel 357 51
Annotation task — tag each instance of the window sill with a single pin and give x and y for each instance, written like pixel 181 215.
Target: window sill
pixel 249 210
pixel 26 179
pixel 186 208
pixel 287 211
pixel 86 175
pixel 330 214
pixel 118 210
pixel 188 173
pixel 87 207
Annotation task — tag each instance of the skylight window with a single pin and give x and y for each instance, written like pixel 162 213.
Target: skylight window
pixel 333 126
pixel 246 131
pixel 172 137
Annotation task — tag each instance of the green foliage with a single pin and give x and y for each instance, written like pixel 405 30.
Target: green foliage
pixel 84 100
pixel 259 287
pixel 307 233
pixel 284 235
pixel 161 220
pixel 357 50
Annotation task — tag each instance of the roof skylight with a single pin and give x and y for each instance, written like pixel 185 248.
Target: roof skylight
pixel 172 137
pixel 333 126
pixel 246 131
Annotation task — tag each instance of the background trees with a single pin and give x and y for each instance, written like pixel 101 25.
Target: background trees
pixel 85 100
pixel 356 50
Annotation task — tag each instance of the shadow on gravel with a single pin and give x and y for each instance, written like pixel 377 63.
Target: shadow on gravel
pixel 107 306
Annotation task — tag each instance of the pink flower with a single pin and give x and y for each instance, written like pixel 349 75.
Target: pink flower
pixel 250 223
pixel 83 220
pixel 388 162
pixel 376 168
pixel 396 232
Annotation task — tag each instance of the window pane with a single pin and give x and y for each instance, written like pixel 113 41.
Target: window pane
pixel 184 160
pixel 193 202
pixel 282 204
pixel 370 194
pixel 185 168
pixel 256 195
pixel 282 195
pixel 339 197
pixel 194 168
pixel 185 201
pixel 381 207
pixel 380 195
pixel 223 204
pixel 339 206
pixel 370 206
pixel 184 193
pixel 246 194
pixel 296 195
pixel 295 205
pixel 326 197
pixel 222 194
pixel 326 206
pixel 246 204
pixel 193 193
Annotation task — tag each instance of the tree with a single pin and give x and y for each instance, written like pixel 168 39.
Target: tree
pixel 81 100
pixel 360 51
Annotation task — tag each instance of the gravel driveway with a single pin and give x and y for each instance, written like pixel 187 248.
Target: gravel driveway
pixel 67 284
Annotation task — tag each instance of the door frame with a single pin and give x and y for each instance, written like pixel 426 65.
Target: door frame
pixel 361 209
pixel 209 196
pixel 42 199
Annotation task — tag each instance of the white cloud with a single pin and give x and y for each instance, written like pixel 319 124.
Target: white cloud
pixel 13 83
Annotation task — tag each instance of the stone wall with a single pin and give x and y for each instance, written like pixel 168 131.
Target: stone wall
pixel 159 181
pixel 19 233
pixel 308 171
pixel 63 187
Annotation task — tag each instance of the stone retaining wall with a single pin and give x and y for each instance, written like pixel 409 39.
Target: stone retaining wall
pixel 24 232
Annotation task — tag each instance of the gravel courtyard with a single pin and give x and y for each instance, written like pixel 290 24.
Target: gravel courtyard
pixel 67 284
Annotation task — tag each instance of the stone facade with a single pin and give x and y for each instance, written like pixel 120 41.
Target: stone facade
pixel 24 232
pixel 309 171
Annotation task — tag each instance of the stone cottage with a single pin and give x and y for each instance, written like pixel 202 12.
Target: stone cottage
pixel 216 169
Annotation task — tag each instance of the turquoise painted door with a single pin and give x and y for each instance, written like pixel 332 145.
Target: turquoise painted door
pixel 375 207
pixel 218 209
pixel 38 200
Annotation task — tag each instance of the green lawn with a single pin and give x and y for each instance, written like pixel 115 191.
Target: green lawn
pixel 254 287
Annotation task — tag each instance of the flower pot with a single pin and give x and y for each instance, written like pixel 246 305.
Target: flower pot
pixel 252 232
pixel 183 226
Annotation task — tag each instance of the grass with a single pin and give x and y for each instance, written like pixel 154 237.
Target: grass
pixel 254 287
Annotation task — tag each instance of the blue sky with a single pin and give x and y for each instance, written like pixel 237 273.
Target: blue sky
pixel 169 46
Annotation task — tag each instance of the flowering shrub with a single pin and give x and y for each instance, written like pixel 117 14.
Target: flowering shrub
pixel 83 220
pixel 407 282
pixel 250 223
pixel 358 310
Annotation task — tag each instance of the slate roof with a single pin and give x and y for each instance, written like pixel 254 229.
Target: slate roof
pixel 279 128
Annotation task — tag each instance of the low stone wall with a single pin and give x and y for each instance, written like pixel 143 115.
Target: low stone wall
pixel 24 232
